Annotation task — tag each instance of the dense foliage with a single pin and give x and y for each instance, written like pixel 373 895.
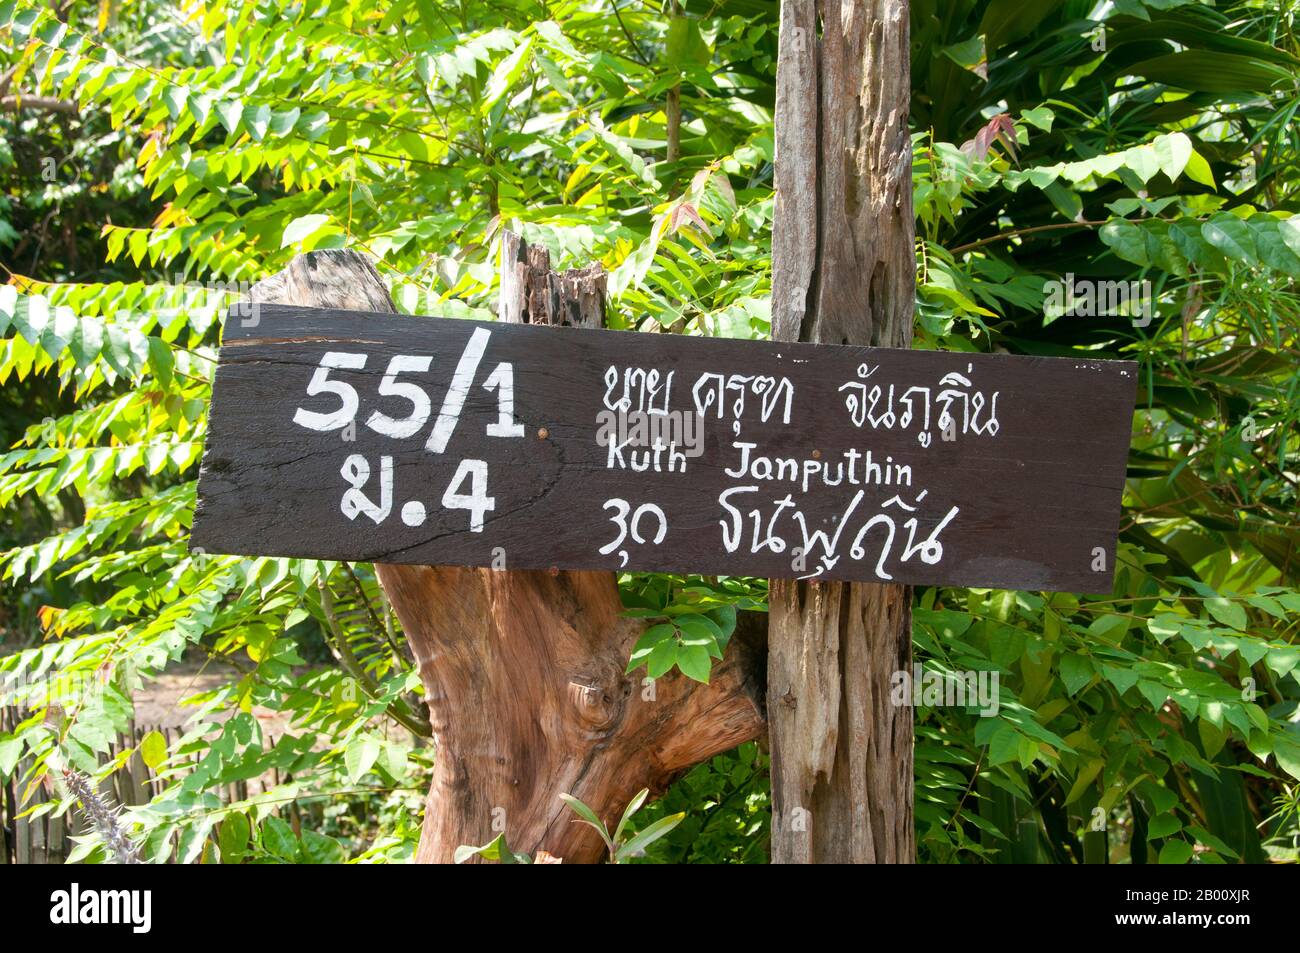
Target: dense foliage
pixel 179 147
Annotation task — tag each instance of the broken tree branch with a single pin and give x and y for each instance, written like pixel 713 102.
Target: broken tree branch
pixel 42 103
pixel 524 672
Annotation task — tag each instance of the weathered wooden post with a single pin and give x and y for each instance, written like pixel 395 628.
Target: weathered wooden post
pixel 524 671
pixel 842 473
pixel 843 272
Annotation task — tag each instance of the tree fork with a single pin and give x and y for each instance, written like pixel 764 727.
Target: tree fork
pixel 524 671
pixel 843 272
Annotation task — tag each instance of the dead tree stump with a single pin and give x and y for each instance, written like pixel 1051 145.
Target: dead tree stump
pixel 523 671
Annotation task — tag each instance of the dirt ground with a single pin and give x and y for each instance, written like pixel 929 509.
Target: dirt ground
pixel 158 704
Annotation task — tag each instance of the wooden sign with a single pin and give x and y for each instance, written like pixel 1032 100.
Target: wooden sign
pixel 390 438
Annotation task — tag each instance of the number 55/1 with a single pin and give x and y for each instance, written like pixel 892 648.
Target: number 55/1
pixel 320 383
pixel 389 386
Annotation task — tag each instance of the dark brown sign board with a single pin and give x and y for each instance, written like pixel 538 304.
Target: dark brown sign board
pixel 393 438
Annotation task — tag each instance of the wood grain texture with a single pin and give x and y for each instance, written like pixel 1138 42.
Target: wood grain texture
pixel 523 671
pixel 843 272
pixel 562 498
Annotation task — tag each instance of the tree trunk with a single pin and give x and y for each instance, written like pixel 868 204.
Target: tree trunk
pixel 843 272
pixel 673 103
pixel 523 671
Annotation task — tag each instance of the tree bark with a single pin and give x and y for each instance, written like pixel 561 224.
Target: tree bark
pixel 673 104
pixel 524 671
pixel 843 272
pixel 41 103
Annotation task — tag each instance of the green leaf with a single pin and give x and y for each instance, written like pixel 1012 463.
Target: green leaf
pixel 1131 241
pixel 645 838
pixel 698 626
pixel 153 749
pixel 694 662
pixel 1274 250
pixel 1076 671
pixel 1256 715
pixel 1289 230
pixel 302 228
pixel 283 120
pixel 633 806
pixel 1175 852
pixel 1005 21
pixel 1142 161
pixel 1122 678
pixel 1211 72
pixel 1287 752
pixel 58 332
pixel 506 75
pixel 1173 153
pixel 1026 751
pixel 278 839
pixel 1209 840
pixel 1040 116
pixel 685 45
pixel 200 107
pixel 1155 693
pixel 1161 799
pixel 233 838
pixel 1165 626
pixel 256 120
pixel 174 98
pixel 11 749
pixel 360 756
pixel 1163 825
pixel 1212 736
pixel 1198 170
pixel 30 317
pixel 1232 236
pixel 322 849
pixel 650 639
pixel 496 850
pixel 8 306
pixel 1004 746
pixel 466 852
pixel 1109 627
pixel 586 813
pixel 1086 776
pixel 700 632
pixel 87 341
pixel 125 349
pixel 160 360
pixel 1227 612
pixel 662 658
pixel 1282 660
pixel 230 113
